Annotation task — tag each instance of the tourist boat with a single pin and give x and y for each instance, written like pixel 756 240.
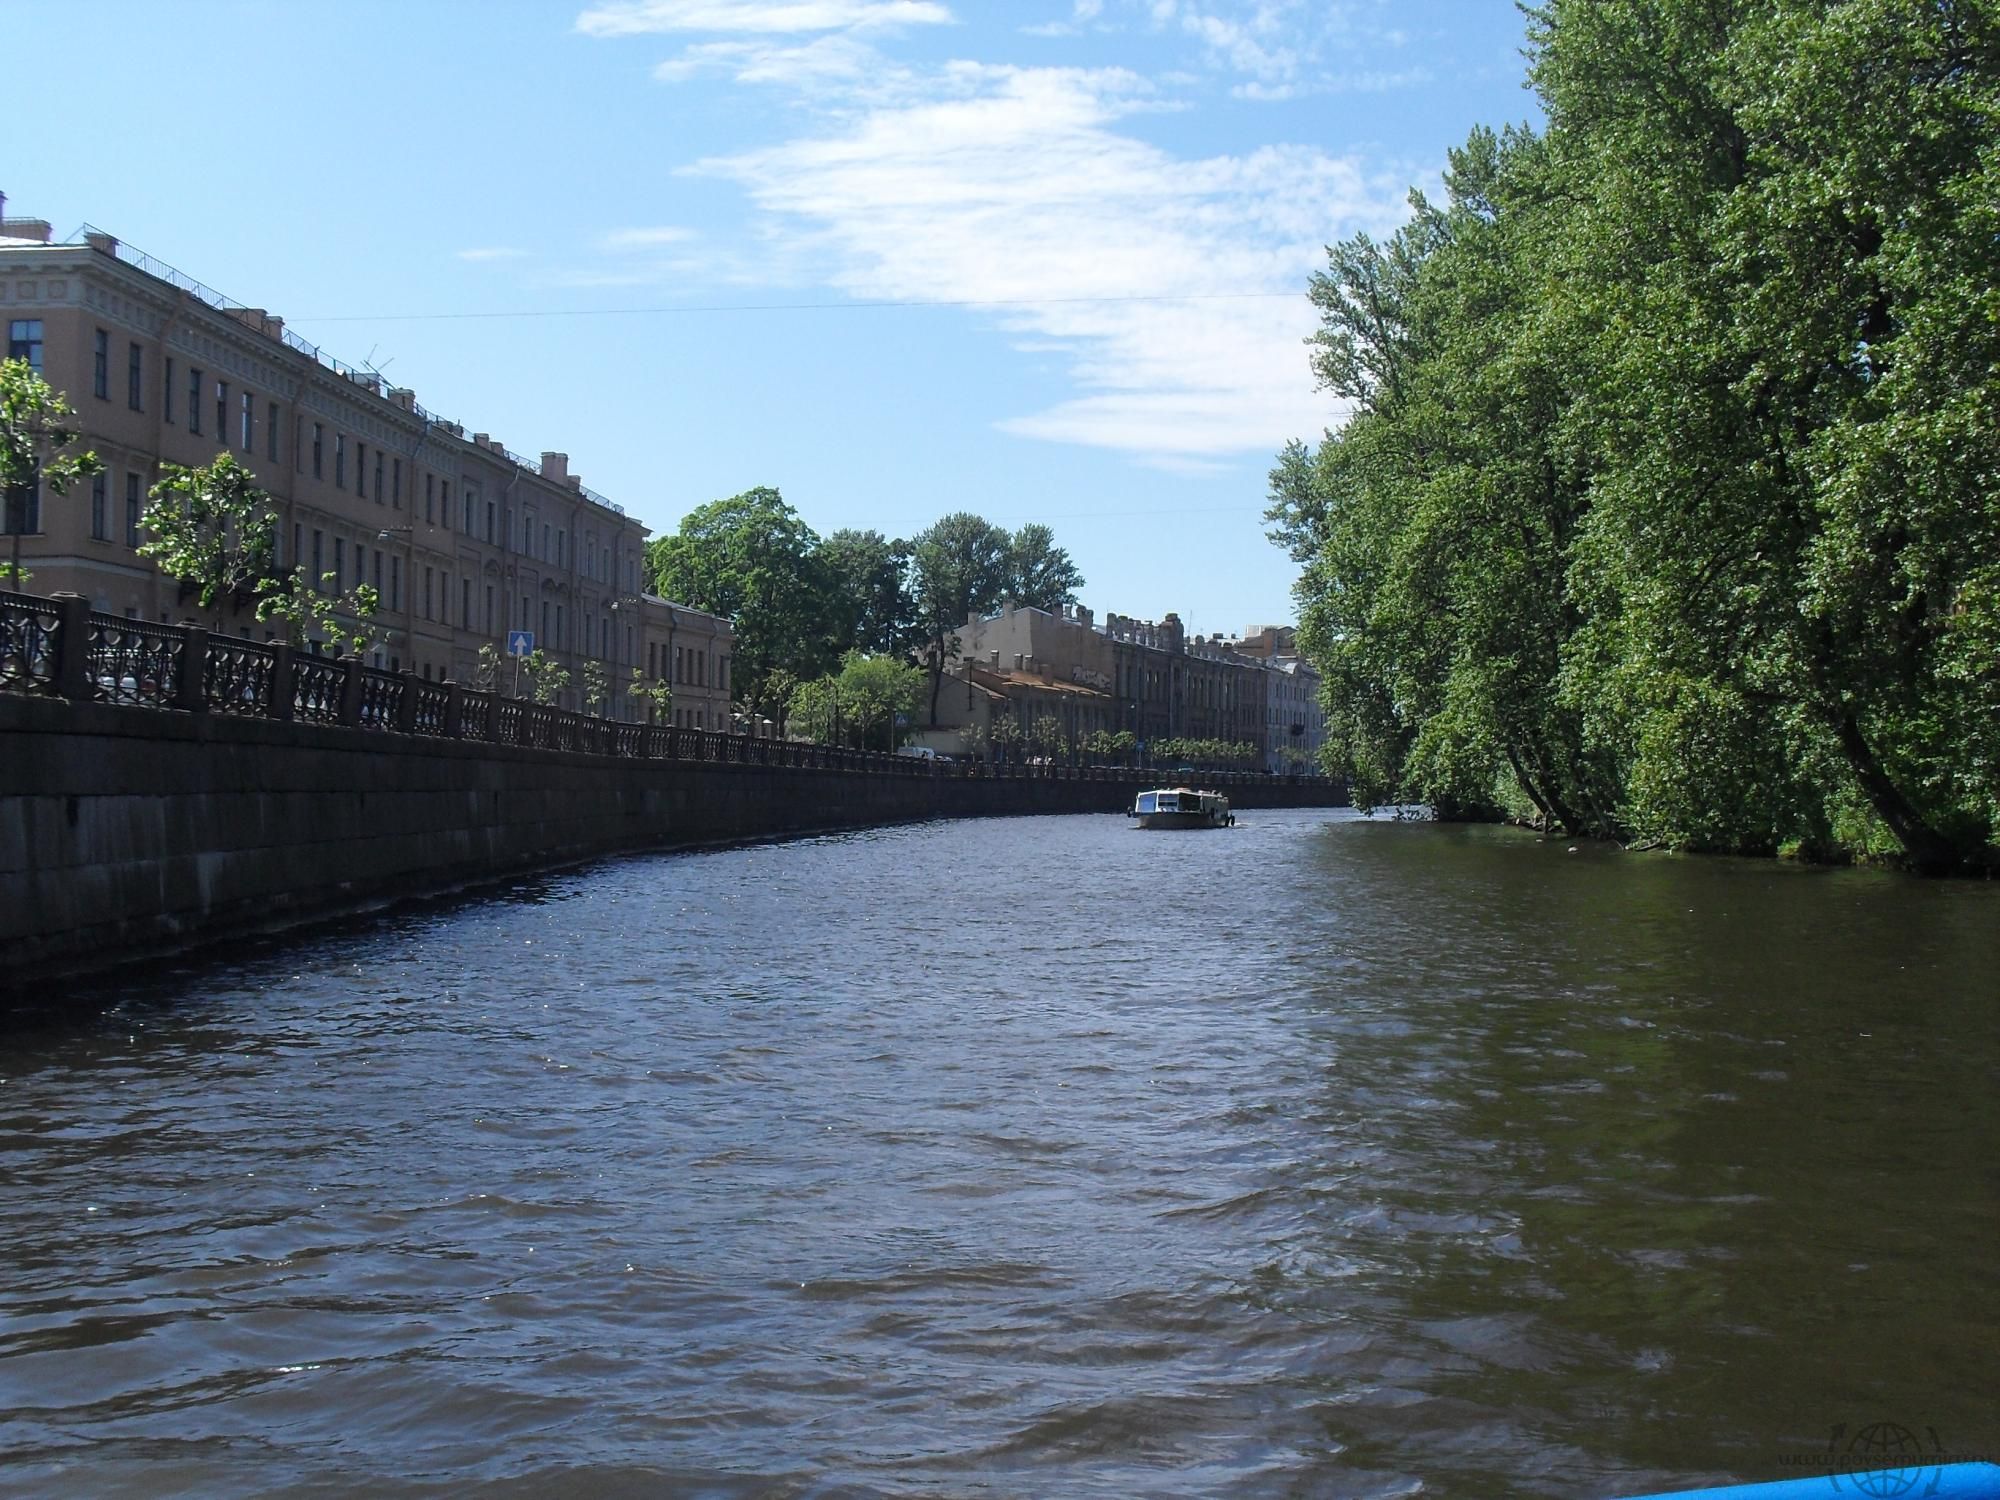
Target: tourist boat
pixel 1181 807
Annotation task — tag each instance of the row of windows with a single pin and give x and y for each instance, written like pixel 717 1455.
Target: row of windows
pixel 236 417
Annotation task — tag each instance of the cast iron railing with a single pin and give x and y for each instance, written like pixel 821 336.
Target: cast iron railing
pixel 57 646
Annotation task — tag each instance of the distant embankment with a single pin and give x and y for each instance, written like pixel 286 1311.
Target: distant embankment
pixel 284 789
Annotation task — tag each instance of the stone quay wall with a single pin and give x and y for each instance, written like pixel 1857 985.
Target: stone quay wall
pixel 130 831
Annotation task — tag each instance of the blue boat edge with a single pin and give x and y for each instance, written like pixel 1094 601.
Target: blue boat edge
pixel 1956 1481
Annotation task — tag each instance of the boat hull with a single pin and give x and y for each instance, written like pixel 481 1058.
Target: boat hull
pixel 1181 820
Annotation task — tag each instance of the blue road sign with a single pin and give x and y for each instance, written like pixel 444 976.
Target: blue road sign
pixel 520 642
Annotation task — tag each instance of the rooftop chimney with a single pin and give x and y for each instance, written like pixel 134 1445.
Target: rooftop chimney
pixel 98 240
pixel 38 230
pixel 404 397
pixel 555 465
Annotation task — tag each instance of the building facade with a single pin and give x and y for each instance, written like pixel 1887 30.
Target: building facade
pixel 463 540
pixel 1127 674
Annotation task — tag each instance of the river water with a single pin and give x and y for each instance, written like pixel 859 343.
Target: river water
pixel 1320 1156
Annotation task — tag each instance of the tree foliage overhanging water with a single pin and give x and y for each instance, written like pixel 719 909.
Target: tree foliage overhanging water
pixel 1669 503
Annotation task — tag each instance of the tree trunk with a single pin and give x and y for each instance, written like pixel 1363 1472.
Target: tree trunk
pixel 1930 852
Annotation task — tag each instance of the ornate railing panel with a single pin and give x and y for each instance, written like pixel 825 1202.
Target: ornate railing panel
pixel 27 643
pixel 236 677
pixel 431 700
pixel 381 699
pixel 316 686
pixel 132 661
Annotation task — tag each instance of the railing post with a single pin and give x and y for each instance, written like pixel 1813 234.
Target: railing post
pixel 406 704
pixel 191 687
pixel 72 648
pixel 454 711
pixel 283 682
pixel 350 691
pixel 491 732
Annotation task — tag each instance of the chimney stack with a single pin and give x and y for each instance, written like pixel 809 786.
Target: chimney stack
pixel 555 466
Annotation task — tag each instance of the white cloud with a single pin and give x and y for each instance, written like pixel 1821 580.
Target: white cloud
pixel 1081 16
pixel 1012 186
pixel 836 61
pixel 490 252
pixel 641 17
pixel 646 239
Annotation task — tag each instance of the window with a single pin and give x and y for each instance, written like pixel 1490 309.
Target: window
pixel 427 592
pixel 246 416
pixel 395 484
pixel 465 604
pixel 132 511
pixel 339 563
pixel 378 476
pixel 271 431
pixel 167 391
pixel 222 411
pixel 489 609
pixel 561 546
pixel 489 520
pixel 319 451
pixel 135 377
pixel 24 341
pixel 545 625
pixel 395 583
pixel 24 508
pixel 100 522
pixel 361 470
pixel 546 554
pixel 319 560
pixel 298 543
pixel 100 366
pixel 194 402
pixel 378 573
pixel 340 460
pixel 444 504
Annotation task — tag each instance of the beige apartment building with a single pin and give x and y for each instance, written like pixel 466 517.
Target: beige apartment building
pixel 1123 674
pixel 464 541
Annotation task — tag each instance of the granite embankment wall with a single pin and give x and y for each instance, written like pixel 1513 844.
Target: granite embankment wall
pixel 129 831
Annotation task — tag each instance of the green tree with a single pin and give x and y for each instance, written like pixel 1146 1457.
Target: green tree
pixel 751 560
pixel 37 428
pixel 214 530
pixel 1040 574
pixel 1797 574
pixel 596 688
pixel 869 598
pixel 546 676
pixel 874 690
pixel 654 694
pixel 1045 735
pixel 960 567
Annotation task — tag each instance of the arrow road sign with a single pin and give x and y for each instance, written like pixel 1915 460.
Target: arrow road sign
pixel 520 642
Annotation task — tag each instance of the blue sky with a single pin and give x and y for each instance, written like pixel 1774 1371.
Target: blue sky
pixel 660 235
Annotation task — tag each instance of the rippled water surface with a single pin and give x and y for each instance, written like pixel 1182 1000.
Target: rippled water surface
pixel 1321 1156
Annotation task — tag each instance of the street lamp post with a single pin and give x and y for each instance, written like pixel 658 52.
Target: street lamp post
pixel 622 602
pixel 409 536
